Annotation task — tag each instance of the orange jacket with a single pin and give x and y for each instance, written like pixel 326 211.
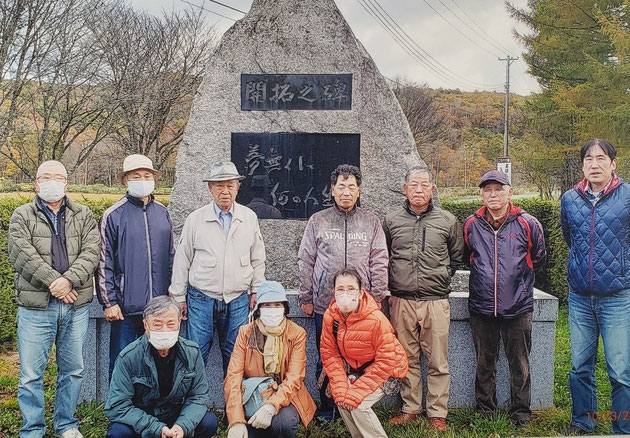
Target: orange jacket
pixel 247 361
pixel 362 336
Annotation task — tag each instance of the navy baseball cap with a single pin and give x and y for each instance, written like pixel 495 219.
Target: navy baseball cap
pixel 494 176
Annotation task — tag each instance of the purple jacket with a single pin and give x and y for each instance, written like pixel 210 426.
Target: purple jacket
pixel 502 263
pixel 334 240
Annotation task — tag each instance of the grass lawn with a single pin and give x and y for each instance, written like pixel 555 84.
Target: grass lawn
pixel 463 423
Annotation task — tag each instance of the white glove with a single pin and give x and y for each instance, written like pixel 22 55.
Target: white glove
pixel 262 417
pixel 239 430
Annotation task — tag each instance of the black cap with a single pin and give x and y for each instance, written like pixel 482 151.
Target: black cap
pixel 494 176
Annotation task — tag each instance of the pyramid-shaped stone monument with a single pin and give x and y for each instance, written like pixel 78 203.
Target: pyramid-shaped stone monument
pixel 289 94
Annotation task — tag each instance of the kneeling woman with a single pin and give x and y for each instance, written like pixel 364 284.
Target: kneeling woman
pixel 271 346
pixel 360 353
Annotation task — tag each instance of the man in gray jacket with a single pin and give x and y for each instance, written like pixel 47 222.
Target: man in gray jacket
pixel 425 245
pixel 341 236
pixel 54 247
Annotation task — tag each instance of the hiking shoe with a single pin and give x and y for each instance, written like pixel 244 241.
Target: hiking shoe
pixel 403 418
pixel 438 423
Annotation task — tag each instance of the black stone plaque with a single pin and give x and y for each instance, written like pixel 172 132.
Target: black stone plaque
pixel 296 92
pixel 287 173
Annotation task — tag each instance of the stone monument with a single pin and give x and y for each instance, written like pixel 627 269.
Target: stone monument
pixel 289 94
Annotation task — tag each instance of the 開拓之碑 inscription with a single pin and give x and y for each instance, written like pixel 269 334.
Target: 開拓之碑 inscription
pixel 266 92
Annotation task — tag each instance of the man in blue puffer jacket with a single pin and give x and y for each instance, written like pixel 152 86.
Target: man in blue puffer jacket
pixel 136 254
pixel 504 246
pixel 595 218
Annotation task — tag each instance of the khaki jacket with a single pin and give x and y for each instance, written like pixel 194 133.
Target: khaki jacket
pixel 223 267
pixel 424 252
pixel 247 361
pixel 29 251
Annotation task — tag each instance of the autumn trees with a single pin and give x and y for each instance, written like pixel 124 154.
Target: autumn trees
pixel 579 51
pixel 82 74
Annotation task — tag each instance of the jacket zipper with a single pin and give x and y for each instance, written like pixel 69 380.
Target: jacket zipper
pixel 424 236
pixel 343 358
pixel 496 260
pixel 149 259
pixel 496 269
pixel 345 234
pixel 592 252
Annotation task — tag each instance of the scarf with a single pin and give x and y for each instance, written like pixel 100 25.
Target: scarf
pixel 274 347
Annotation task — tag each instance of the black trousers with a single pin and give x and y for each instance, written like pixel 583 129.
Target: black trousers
pixel 517 343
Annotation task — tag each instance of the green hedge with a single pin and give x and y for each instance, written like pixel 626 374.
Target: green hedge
pixel 551 279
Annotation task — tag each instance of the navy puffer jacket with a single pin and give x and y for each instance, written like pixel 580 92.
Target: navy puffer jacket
pixel 502 263
pixel 598 237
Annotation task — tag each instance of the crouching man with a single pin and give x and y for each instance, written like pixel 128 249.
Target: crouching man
pixel 158 387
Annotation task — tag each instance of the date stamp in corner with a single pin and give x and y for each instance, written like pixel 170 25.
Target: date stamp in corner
pixel 605 416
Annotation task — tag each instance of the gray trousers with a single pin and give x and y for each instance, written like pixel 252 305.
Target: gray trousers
pixel 283 425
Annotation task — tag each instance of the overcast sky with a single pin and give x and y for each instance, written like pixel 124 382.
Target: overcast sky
pixel 464 38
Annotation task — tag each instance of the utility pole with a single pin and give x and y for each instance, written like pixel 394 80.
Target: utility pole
pixel 506 117
pixel 503 163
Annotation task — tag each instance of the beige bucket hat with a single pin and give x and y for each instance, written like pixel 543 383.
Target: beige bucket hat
pixel 134 162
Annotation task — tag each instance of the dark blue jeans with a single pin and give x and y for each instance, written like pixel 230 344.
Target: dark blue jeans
pixel 327 408
pixel 284 424
pixel 121 334
pixel 204 312
pixel 590 317
pixel 206 428
pixel 37 330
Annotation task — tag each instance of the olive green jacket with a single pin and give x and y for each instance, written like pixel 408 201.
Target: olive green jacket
pixel 424 252
pixel 29 244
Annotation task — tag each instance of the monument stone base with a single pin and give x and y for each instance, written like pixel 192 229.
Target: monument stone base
pixel 461 353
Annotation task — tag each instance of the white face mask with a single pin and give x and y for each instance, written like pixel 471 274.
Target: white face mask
pixel 163 340
pixel 140 189
pixel 272 316
pixel 346 302
pixel 51 191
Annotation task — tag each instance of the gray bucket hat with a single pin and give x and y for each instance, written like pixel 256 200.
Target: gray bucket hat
pixel 270 292
pixel 222 171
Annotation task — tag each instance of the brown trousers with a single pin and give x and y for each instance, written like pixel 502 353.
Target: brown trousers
pixel 517 343
pixel 422 326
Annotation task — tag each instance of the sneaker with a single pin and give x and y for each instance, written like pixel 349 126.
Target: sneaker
pixel 576 430
pixel 72 433
pixel 438 423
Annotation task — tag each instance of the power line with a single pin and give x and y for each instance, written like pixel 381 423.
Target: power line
pixel 408 44
pixel 207 10
pixel 501 47
pixel 469 27
pixel 440 103
pixel 402 43
pixel 458 30
pixel 227 6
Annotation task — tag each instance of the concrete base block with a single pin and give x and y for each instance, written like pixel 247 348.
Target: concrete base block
pixel 460 350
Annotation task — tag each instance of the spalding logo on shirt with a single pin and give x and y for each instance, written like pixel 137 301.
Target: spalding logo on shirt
pixel 355 238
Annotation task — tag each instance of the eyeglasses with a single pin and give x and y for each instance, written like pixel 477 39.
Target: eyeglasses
pixel 349 291
pixel 58 178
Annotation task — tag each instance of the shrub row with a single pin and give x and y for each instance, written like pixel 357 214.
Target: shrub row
pixel 551 279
